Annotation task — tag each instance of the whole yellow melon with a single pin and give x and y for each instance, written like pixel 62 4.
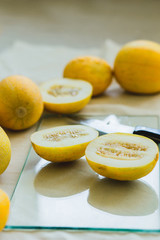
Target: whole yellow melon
pixel 4 208
pixel 92 69
pixel 5 151
pixel 137 67
pixel 21 103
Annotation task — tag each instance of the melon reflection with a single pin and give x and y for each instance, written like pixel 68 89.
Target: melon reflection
pixel 64 179
pixel 134 198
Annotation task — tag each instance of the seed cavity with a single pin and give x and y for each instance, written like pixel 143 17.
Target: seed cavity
pixel 131 146
pixel 58 136
pixel 63 90
pixel 122 150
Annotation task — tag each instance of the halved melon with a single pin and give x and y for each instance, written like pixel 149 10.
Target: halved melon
pixel 122 156
pixel 63 143
pixel 66 95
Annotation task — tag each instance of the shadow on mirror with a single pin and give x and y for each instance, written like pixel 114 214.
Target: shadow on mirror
pixel 63 179
pixel 134 198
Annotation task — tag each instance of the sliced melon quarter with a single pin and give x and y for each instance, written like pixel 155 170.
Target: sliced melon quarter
pixel 66 95
pixel 63 143
pixel 122 156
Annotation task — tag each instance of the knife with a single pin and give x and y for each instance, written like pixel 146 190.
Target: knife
pixel 111 124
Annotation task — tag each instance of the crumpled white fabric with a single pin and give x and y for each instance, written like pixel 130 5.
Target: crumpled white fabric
pixel 42 63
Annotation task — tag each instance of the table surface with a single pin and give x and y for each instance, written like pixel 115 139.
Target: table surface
pixel 71 23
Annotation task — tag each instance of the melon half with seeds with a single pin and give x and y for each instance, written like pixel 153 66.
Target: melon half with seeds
pixel 66 95
pixel 63 143
pixel 122 156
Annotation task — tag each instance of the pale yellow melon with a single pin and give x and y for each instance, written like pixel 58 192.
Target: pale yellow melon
pixel 65 95
pixel 63 143
pixel 4 208
pixel 21 103
pixel 137 67
pixel 122 156
pixel 5 151
pixel 92 69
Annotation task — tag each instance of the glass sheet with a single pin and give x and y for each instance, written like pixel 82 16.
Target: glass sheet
pixel 72 196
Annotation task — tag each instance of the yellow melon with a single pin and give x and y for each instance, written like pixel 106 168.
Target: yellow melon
pixel 63 143
pixel 4 209
pixel 65 95
pixel 137 67
pixel 122 156
pixel 92 69
pixel 5 151
pixel 21 103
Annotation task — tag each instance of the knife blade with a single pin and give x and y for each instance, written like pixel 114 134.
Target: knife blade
pixel 111 125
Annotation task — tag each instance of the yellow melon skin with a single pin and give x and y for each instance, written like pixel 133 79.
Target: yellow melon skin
pixel 137 67
pixel 123 174
pixel 67 108
pixel 21 103
pixel 61 154
pixel 92 69
pixel 4 209
pixel 5 151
